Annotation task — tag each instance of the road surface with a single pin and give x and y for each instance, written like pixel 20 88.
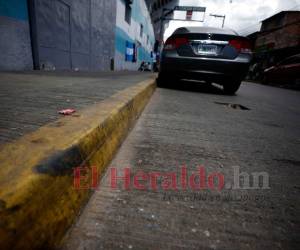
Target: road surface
pixel 192 126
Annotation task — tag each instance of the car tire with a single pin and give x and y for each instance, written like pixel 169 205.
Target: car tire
pixel 231 87
pixel 161 80
pixel 265 80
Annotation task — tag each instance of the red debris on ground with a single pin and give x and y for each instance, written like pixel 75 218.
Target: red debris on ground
pixel 67 111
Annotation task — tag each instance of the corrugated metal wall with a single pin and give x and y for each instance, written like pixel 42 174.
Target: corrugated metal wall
pixel 74 34
pixel 15 47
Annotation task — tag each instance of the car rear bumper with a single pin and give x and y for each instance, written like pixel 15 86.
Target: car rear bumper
pixel 212 69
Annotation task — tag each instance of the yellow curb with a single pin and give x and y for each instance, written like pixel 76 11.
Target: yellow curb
pixel 37 199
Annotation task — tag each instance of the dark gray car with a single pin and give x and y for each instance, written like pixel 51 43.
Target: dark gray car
pixel 208 54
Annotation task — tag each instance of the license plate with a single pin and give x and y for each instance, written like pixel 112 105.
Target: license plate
pixel 207 49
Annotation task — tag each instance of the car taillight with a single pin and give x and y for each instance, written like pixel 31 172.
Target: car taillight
pixel 175 43
pixel 243 46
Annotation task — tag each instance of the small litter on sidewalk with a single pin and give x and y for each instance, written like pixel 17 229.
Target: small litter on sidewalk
pixel 67 111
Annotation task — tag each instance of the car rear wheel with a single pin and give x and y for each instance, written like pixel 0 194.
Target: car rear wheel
pixel 231 87
pixel 265 80
pixel 161 80
pixel 164 80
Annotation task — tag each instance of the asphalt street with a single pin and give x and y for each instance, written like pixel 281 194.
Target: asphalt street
pixel 192 125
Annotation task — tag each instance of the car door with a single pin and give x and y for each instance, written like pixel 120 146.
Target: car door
pixel 292 68
pixel 283 71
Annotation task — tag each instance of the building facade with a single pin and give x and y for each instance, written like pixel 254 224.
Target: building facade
pixel 83 35
pixel 279 36
pixel 134 35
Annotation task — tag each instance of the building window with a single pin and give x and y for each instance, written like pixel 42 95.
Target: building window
pixel 147 39
pixel 128 11
pixel 141 30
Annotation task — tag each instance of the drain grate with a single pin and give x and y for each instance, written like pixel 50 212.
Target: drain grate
pixel 233 105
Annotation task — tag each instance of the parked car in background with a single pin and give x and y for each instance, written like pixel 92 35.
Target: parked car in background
pixel 285 72
pixel 208 54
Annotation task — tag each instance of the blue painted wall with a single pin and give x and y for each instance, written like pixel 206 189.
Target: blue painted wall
pixel 17 9
pixel 122 37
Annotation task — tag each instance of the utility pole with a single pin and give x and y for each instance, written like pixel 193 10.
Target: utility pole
pixel 165 12
pixel 219 16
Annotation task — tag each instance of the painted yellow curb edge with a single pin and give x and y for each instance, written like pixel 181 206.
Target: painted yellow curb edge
pixel 38 201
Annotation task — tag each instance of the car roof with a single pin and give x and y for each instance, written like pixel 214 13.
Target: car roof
pixel 211 30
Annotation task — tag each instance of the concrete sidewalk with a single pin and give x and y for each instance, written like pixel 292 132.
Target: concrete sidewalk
pixel 29 100
pixel 38 201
